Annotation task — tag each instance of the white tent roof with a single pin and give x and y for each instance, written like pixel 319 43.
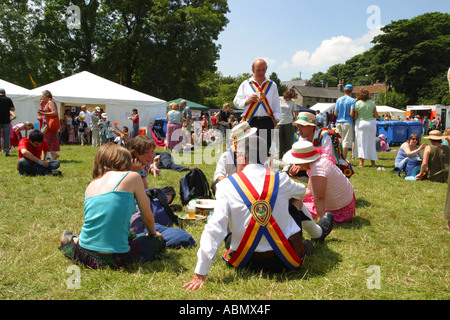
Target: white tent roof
pixel 13 90
pixel 24 106
pixel 389 109
pixel 323 107
pixel 88 88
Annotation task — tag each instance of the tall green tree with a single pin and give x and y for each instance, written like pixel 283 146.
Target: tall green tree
pixel 19 53
pixel 410 53
pixel 160 47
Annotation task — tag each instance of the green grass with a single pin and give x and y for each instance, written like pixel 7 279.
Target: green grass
pixel 399 227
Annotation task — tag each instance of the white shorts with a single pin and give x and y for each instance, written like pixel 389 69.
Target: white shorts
pixel 346 132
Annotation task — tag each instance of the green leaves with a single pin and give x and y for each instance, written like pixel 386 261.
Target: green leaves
pixel 160 47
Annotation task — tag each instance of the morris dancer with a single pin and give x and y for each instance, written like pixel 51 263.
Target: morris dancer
pixel 259 98
pixel 254 203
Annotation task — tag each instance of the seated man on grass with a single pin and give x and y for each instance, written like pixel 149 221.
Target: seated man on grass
pixel 254 204
pixel 32 151
pixel 436 158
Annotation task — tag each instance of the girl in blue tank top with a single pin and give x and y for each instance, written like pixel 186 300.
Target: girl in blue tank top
pixel 109 204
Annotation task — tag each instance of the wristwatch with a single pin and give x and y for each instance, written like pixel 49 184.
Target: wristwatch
pixel 142 174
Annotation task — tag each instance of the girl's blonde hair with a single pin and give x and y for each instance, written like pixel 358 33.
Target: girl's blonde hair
pixel 111 157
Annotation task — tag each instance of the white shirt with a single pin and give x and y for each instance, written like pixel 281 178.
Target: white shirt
pixel 87 118
pixel 245 91
pixel 326 140
pixel 287 111
pixel 231 211
pixel 225 166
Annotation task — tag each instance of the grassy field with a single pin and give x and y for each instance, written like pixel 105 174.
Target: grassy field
pixel 398 237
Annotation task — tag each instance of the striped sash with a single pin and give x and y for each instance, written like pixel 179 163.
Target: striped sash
pixel 262 223
pixel 262 100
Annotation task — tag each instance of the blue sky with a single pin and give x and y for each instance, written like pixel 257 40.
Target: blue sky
pixel 299 36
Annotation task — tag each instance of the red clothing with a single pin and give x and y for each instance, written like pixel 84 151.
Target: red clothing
pixel 136 120
pixel 25 143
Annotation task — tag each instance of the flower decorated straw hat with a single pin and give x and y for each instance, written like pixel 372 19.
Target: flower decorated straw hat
pixel 301 152
pixel 242 130
pixel 434 135
pixel 306 119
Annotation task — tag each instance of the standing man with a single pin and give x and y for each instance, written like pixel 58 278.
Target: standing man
pixel 259 98
pixel 344 121
pixel 187 116
pixel 87 119
pixel 95 130
pixel 6 105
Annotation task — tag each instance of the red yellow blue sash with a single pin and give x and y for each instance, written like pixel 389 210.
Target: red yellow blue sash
pixel 262 100
pixel 262 223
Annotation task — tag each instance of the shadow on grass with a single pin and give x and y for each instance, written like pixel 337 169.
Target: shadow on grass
pixel 356 223
pixel 170 262
pixel 318 264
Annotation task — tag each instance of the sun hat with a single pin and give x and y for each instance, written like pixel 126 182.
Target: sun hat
pixel 301 152
pixel 435 135
pixel 306 119
pixel 98 109
pixel 242 130
pixel 104 115
pixel 382 137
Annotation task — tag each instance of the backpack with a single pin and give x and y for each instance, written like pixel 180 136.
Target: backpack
pixel 194 185
pixel 341 161
pixel 162 212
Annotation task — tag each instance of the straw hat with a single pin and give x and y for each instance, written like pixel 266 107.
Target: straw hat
pixel 301 152
pixel 434 135
pixel 242 130
pixel 306 119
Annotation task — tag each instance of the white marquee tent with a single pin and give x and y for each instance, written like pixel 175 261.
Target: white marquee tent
pixel 22 103
pixel 323 107
pixel 117 101
pixel 393 112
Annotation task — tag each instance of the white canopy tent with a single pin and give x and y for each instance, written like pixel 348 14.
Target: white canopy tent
pixel 394 113
pixel 117 101
pixel 323 107
pixel 22 103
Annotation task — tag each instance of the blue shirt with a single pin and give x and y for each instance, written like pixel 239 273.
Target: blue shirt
pixel 107 221
pixel 343 106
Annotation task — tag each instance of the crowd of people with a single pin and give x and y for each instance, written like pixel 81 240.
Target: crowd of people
pixel 261 211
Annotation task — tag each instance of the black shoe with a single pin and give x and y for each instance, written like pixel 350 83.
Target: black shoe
pixel 326 223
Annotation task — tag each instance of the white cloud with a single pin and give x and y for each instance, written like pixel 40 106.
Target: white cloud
pixel 330 52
